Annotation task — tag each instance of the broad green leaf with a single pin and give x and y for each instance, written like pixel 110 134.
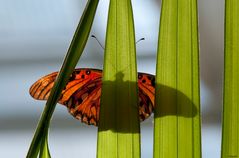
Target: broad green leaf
pixel 177 113
pixel 70 61
pixel 230 131
pixel 119 133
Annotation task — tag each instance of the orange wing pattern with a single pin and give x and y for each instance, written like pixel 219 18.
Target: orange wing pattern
pixel 82 93
pixel 146 84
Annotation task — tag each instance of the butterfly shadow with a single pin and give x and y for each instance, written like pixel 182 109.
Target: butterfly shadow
pixel 118 117
pixel 172 102
pixel 115 112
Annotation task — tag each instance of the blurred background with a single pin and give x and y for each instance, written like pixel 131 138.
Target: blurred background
pixel 34 38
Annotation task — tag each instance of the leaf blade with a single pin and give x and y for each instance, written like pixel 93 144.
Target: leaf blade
pixel 74 52
pixel 118 133
pixel 44 151
pixel 230 129
pixel 177 113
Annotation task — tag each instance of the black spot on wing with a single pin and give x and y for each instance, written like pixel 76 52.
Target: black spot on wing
pixel 140 76
pixel 153 82
pixel 88 72
pixel 72 77
pixel 149 77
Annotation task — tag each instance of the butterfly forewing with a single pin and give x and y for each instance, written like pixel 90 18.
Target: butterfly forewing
pixel 85 102
pixel 82 93
pixel 40 89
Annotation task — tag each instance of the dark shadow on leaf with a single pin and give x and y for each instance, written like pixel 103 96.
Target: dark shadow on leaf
pixel 118 112
pixel 173 102
pixel 121 114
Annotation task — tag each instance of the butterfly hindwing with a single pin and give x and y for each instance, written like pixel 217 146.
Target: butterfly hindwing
pixel 82 93
pixel 146 84
pixel 85 102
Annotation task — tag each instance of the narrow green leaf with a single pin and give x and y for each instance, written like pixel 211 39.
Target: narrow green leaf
pixel 44 151
pixel 230 131
pixel 118 133
pixel 177 113
pixel 70 61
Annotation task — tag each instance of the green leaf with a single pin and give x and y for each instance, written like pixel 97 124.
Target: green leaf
pixel 74 52
pixel 119 132
pixel 177 113
pixel 44 151
pixel 230 131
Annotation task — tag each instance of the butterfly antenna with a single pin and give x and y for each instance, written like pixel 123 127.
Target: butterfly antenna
pixel 98 42
pixel 141 39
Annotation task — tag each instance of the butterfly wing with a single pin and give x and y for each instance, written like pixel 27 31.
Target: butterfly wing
pixel 82 93
pixel 40 90
pixel 84 104
pixel 146 84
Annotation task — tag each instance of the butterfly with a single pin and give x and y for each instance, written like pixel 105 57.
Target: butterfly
pixel 82 93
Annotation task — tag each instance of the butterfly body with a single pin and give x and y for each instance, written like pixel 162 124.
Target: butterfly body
pixel 82 93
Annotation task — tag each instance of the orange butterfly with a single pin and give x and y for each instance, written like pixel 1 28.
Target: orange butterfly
pixel 82 93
